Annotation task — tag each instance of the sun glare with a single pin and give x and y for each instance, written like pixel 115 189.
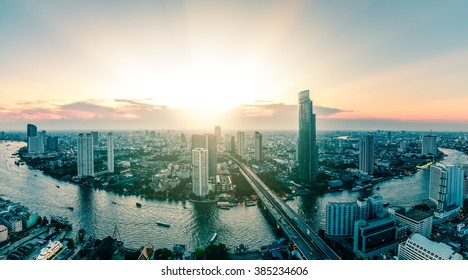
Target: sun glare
pixel 208 84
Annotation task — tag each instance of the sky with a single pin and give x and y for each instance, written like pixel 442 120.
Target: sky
pixel 240 64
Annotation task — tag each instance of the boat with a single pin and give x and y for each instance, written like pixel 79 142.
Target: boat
pixel 138 205
pixel 213 237
pixel 50 250
pixel 224 207
pixel 357 188
pixel 185 207
pixel 378 188
pixel 70 208
pixel 385 204
pixel 315 209
pixel 249 202
pixel 114 202
pixel 162 224
pixel 60 220
pixel 58 187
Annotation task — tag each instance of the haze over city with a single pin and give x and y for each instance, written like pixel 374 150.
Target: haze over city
pixel 196 64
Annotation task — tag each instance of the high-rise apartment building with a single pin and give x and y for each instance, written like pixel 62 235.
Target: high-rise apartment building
pixel 418 247
pixel 218 134
pixel 446 189
pixel 200 171
pixel 229 143
pixel 85 155
pixel 31 130
pixel 429 145
pixel 258 153
pixel 307 149
pixel 95 138
pixel 366 154
pixel 110 152
pixel 417 221
pixel 340 219
pixel 240 144
pixel 208 141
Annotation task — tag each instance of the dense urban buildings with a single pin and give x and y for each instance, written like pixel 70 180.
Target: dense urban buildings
pixel 366 154
pixel 200 171
pixel 429 145
pixel 85 155
pixel 418 247
pixel 446 189
pixel 307 149
pixel 258 147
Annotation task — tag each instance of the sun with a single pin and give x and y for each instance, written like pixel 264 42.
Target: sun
pixel 207 83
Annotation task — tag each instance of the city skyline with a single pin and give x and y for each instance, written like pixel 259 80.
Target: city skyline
pixel 167 66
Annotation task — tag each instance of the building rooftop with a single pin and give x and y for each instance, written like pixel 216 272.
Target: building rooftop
pixel 443 250
pixel 413 214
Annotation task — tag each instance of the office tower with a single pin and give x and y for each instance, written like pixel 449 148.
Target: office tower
pixel 417 221
pixel 258 146
pixel 212 154
pixel 95 138
pixel 110 152
pixel 31 130
pixel 200 171
pixel 85 155
pixel 218 134
pixel 307 149
pixel 340 219
pixel 429 145
pixel 229 143
pixel 372 238
pixel 35 144
pixel 240 144
pixel 366 154
pixel 52 143
pixel 207 141
pixel 418 247
pixel 446 189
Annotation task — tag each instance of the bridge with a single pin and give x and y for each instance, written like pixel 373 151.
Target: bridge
pixel 311 246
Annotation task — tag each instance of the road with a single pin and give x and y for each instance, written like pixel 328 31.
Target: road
pixel 311 246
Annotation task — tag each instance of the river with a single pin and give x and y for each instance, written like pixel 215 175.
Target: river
pixel 99 211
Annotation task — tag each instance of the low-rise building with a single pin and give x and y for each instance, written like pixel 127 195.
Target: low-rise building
pixel 3 233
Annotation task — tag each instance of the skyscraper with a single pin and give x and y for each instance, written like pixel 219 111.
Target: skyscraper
pixel 31 130
pixel 307 149
pixel 429 145
pixel 229 143
pixel 95 138
pixel 366 154
pixel 207 141
pixel 446 189
pixel 200 171
pixel 85 155
pixel 258 146
pixel 240 144
pixel 218 134
pixel 110 152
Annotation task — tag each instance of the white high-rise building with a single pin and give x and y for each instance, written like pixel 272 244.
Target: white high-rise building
pixel 429 145
pixel 366 154
pixel 340 219
pixel 85 155
pixel 240 144
pixel 200 172
pixel 110 152
pixel 446 189
pixel 418 247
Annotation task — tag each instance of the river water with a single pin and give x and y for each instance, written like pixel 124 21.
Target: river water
pixel 98 211
pixel 95 211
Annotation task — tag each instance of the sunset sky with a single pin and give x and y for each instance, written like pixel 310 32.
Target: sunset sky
pixel 239 64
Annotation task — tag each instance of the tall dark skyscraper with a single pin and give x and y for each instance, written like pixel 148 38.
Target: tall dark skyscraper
pixel 258 147
pixel 366 154
pixel 32 130
pixel 307 153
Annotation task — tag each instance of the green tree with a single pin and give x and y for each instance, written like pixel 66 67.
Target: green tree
pixel 199 253
pixel 163 254
pixel 44 221
pixel 216 252
pixel 81 235
pixel 71 244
